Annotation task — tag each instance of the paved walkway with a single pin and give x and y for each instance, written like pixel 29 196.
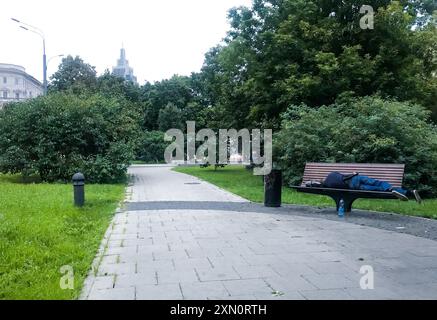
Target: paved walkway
pixel 181 238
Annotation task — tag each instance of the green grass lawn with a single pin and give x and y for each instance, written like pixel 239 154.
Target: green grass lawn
pixel 242 182
pixel 41 231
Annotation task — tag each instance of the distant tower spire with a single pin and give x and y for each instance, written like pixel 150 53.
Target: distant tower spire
pixel 122 54
pixel 123 69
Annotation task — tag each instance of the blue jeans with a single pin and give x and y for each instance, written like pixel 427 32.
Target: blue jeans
pixel 369 184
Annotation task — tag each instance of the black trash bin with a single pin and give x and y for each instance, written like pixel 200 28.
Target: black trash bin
pixel 273 189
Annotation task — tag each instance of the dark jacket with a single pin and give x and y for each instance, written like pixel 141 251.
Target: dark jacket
pixel 337 180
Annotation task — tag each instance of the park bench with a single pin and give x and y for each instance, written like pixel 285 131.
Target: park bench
pixel 392 173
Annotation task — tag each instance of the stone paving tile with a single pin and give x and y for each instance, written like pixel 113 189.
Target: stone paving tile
pixel 183 264
pixel 187 276
pixel 293 258
pixel 255 272
pixel 129 236
pixel 216 274
pixel 263 260
pixel 378 293
pixel 331 281
pixel 332 268
pixel 423 262
pixel 121 251
pixel 184 246
pixel 418 291
pixel 163 247
pixel 159 292
pixel 110 259
pixel 327 294
pixel 170 255
pixel 228 261
pixel 292 269
pixel 120 268
pixel 246 287
pixel 137 242
pixel 132 280
pixel 203 290
pixel 115 243
pixel 249 297
pixel 113 294
pixel 329 256
pixel 307 248
pixel 237 249
pixel 425 251
pixel 290 295
pixel 289 284
pixel 203 253
pixel 154 266
pixel 134 257
pixel 268 250
pixel 104 282
pixel 413 276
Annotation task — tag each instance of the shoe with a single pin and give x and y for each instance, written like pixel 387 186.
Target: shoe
pixel 399 195
pixel 417 196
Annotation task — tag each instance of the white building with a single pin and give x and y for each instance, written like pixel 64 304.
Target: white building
pixel 17 85
pixel 122 69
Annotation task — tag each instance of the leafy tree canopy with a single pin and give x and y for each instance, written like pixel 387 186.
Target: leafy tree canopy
pixel 362 130
pixel 75 75
pixel 282 52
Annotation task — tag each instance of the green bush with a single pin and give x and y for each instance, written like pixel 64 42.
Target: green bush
pixel 152 147
pixel 62 133
pixel 365 130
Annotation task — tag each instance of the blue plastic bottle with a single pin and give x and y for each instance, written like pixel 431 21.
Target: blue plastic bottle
pixel 341 209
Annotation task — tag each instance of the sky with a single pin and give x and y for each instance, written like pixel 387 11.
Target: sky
pixel 161 37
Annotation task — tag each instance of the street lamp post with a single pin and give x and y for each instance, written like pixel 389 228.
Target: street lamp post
pixel 44 65
pixel 39 32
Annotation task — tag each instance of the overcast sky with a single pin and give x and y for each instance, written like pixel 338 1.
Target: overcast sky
pixel 161 37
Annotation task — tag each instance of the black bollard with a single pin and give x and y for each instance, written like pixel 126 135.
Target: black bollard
pixel 79 189
pixel 273 189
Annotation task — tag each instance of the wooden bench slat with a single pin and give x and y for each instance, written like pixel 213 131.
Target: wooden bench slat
pixel 362 173
pixel 399 172
pixel 395 183
pixel 355 169
pixel 327 164
pixel 383 173
pixel 396 174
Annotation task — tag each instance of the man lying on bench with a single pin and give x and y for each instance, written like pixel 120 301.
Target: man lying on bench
pixel 356 181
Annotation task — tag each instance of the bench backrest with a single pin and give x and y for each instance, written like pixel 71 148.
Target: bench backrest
pixel 392 173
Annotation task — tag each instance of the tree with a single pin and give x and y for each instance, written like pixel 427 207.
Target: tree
pixel 362 130
pixel 170 118
pixel 113 86
pixel 181 92
pixel 75 75
pixel 283 52
pixel 63 133
pixel 152 147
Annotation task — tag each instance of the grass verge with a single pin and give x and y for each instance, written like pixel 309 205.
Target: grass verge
pixel 41 231
pixel 242 182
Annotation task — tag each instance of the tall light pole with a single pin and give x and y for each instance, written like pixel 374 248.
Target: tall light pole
pixel 39 32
